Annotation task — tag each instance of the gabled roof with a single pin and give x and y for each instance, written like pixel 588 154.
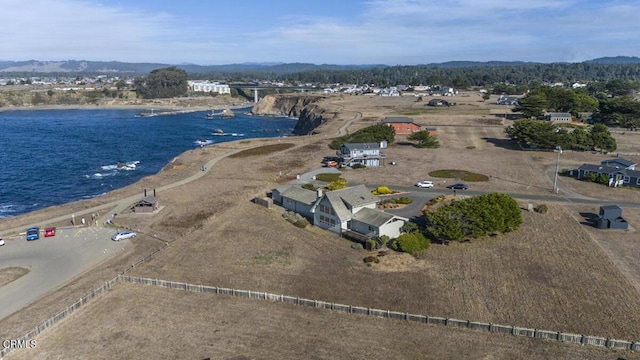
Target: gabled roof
pixel 375 217
pixel 361 146
pixel 300 194
pixel 343 200
pixel 149 200
pixel 609 170
pixel 397 119
pixel 620 161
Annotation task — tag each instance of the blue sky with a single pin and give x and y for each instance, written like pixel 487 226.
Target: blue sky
pixel 392 32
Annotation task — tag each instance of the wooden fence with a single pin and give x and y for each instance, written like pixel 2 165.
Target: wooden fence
pixel 319 304
pixel 351 309
pixel 62 314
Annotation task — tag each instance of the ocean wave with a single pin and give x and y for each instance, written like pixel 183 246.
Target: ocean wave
pixel 203 142
pixel 101 175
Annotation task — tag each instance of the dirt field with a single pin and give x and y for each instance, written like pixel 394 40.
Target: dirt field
pixel 555 273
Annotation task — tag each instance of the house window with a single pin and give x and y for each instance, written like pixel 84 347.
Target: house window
pixel 626 180
pixel 371 228
pixel 638 181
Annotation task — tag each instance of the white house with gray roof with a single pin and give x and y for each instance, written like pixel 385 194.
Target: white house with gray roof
pixel 350 209
pixel 375 223
pixel 296 199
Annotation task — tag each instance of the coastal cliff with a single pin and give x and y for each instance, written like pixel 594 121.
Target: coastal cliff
pixel 305 108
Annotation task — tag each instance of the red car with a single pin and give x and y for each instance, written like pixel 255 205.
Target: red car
pixel 50 231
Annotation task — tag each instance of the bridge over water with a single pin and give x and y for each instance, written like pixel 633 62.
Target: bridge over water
pixel 257 87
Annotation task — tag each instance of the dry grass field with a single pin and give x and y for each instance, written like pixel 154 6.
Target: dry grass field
pixel 197 326
pixel 554 273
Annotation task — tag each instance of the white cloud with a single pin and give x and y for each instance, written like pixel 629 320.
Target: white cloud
pixel 385 31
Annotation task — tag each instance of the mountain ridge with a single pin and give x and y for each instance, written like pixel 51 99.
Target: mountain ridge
pixel 277 68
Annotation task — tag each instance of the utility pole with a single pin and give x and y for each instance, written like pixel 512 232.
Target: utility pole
pixel 555 179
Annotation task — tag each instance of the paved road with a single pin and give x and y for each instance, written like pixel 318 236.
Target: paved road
pixel 52 262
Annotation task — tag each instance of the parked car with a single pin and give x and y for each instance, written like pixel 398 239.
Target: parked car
pixel 425 184
pixel 123 235
pixel 1 241
pixel 458 187
pixel 50 231
pixel 33 233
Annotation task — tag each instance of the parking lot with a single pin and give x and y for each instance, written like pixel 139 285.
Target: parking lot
pixel 52 261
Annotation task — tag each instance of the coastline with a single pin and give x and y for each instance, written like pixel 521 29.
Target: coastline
pixel 163 107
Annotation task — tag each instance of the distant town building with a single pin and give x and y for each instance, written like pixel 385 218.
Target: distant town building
pixel 215 87
pixel 558 117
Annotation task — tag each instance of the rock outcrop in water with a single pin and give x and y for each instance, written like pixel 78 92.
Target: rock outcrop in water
pixel 304 107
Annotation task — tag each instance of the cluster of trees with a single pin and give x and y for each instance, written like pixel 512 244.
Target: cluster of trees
pixel 542 134
pixel 621 111
pixel 466 75
pixel 547 98
pixel 474 217
pixel 372 134
pixel 423 139
pixel 162 83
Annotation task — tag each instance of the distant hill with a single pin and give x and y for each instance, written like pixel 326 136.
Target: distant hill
pixel 615 60
pixel 461 64
pixel 80 67
pixel 93 67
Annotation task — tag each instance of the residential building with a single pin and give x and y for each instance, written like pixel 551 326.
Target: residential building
pixel 558 117
pixel 205 86
pixel 367 154
pixel 402 125
pixel 619 172
pixel 507 100
pixel 296 199
pixel 349 210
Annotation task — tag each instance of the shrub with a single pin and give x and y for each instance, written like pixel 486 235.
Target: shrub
pixel 371 259
pixel 309 186
pixel 359 166
pixel 372 244
pixel 301 223
pixel 542 209
pixel 337 184
pixel 382 190
pixel 383 240
pixel 413 243
pixel 328 177
pixel 403 200
pixel 436 200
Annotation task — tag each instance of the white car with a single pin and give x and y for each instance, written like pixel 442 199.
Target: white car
pixel 123 235
pixel 1 241
pixel 425 184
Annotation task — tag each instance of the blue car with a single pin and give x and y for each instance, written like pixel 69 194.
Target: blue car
pixel 33 233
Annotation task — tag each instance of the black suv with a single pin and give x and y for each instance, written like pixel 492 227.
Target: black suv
pixel 458 187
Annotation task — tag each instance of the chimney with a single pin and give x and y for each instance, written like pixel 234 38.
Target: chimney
pixel 145 192
pixel 318 193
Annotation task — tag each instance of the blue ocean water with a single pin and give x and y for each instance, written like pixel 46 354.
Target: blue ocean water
pixel 52 157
